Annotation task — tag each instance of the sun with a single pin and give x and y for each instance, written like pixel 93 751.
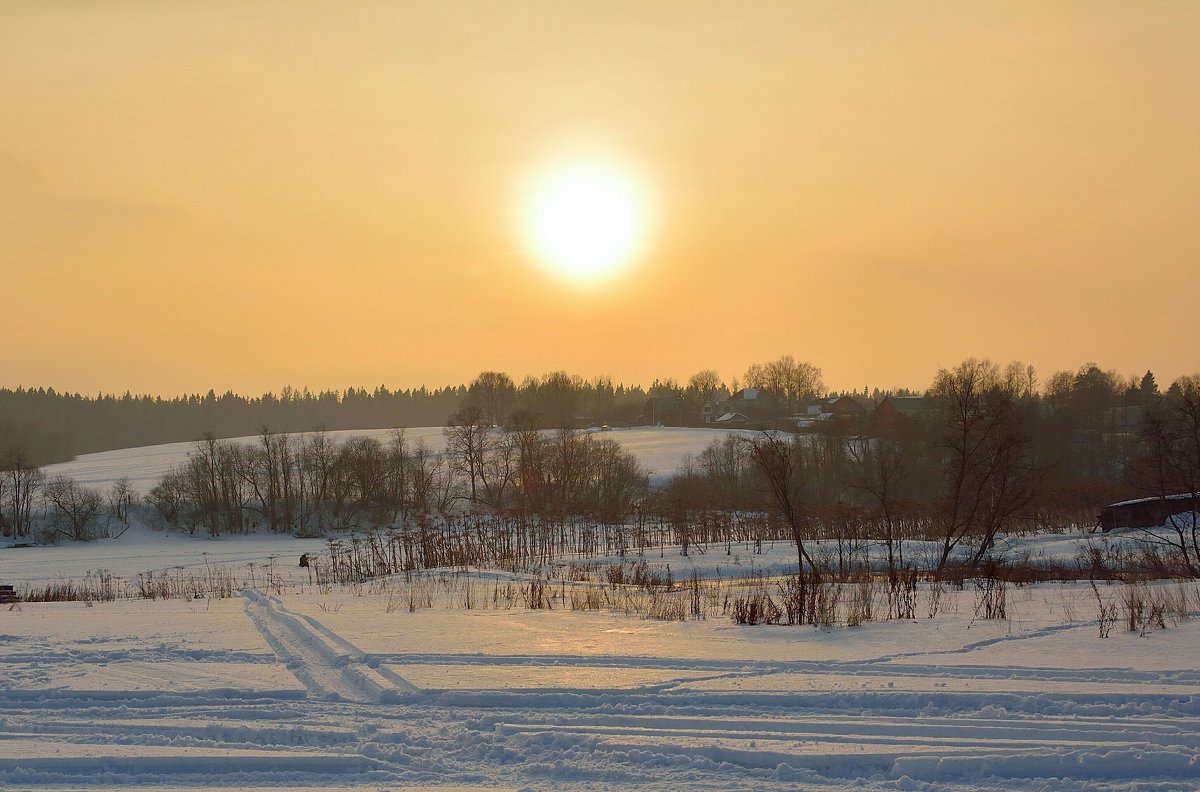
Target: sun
pixel 585 220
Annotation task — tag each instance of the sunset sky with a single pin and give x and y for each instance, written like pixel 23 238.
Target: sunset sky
pixel 246 195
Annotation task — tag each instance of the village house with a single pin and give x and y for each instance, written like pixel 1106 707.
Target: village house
pixel 897 412
pixel 837 408
pixel 756 404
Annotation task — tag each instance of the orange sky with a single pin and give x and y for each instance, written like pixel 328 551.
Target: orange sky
pixel 246 195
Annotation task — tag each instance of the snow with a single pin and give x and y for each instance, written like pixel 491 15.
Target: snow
pixel 1182 496
pixel 145 466
pixel 398 684
pixel 300 686
pixel 140 550
pixel 660 450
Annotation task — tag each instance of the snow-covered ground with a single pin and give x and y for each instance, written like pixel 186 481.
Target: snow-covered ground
pixel 397 684
pixel 660 450
pixel 372 687
pixel 145 466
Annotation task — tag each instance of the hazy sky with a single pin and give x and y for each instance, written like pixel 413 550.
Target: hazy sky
pixel 247 195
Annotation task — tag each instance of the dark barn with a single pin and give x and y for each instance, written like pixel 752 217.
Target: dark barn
pixel 1146 512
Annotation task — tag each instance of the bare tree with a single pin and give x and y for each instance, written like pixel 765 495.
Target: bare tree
pixel 1169 465
pixel 318 462
pixel 726 471
pixel 555 398
pixel 425 473
pixel 267 472
pixel 75 509
pixel 706 384
pixel 531 455
pixel 500 461
pixel 23 481
pixel 216 482
pixel 617 479
pixel 360 477
pixel 565 469
pixel 492 393
pixel 465 434
pixel 396 485
pixel 879 468
pixel 170 497
pixel 5 527
pixel 786 378
pixel 703 387
pixel 780 462
pixel 986 440
pixel 121 497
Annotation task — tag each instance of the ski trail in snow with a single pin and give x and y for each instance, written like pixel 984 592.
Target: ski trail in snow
pixel 971 647
pixel 876 666
pixel 814 727
pixel 329 666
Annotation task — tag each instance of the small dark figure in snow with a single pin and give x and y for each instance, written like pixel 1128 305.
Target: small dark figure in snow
pixel 304 560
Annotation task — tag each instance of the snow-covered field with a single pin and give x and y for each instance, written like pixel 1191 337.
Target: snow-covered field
pixel 397 684
pixel 660 449
pixel 300 686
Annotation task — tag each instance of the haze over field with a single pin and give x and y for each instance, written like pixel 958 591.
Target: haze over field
pixel 682 395
pixel 247 195
pixel 660 450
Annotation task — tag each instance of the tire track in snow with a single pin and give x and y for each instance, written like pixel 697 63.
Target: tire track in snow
pixel 329 666
pixel 878 666
pixel 840 747
pixel 945 731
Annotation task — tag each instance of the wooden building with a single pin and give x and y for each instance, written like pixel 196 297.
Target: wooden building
pixel 1147 512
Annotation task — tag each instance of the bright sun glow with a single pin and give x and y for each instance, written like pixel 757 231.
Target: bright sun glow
pixel 585 220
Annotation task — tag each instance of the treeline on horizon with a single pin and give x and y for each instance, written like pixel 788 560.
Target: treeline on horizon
pixel 45 426
pixel 985 451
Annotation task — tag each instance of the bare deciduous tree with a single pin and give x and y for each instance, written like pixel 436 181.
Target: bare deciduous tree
pixel 319 460
pixel 501 457
pixel 786 378
pixel 492 394
pixel 1169 465
pixel 23 481
pixel 779 460
pixel 880 467
pixel 466 434
pixel 425 473
pixel 121 497
pixel 214 476
pixel 75 509
pixel 986 440
pixel 725 469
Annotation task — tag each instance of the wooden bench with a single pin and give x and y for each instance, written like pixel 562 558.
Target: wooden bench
pixel 8 595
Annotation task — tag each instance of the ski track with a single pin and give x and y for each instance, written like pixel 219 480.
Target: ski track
pixel 358 722
pixel 326 664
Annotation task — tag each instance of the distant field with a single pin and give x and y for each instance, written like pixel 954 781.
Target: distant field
pixel 660 449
